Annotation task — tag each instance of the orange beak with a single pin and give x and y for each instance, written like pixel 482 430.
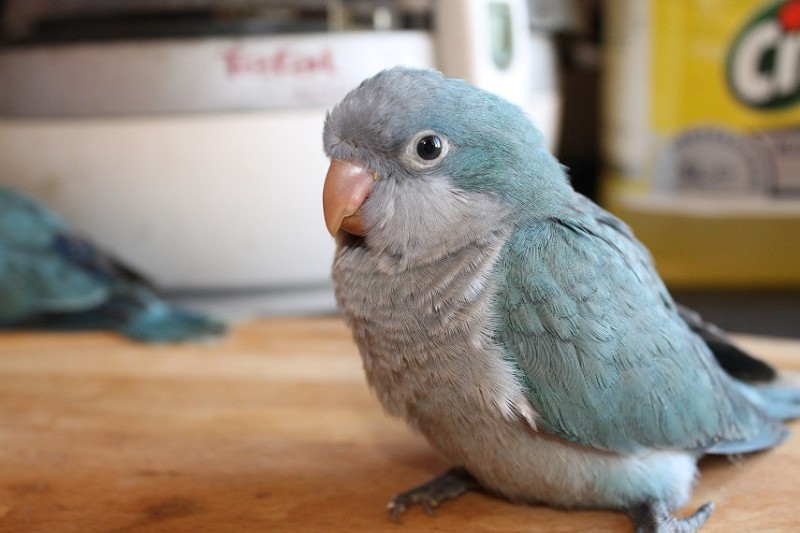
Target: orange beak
pixel 347 185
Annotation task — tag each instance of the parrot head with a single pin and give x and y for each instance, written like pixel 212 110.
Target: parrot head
pixel 416 158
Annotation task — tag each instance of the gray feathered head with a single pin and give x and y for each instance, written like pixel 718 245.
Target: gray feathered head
pixel 413 150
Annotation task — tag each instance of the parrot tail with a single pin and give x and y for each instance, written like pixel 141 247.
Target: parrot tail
pixel 781 402
pixel 146 317
pixel 138 313
pixel 737 363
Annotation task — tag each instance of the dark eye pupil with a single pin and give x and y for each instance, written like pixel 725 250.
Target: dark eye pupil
pixel 429 147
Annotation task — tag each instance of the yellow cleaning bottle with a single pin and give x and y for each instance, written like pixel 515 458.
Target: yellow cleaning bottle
pixel 702 137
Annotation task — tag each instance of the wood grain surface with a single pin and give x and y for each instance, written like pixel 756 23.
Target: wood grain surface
pixel 271 428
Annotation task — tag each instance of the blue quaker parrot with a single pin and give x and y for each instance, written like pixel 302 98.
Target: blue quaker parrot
pixel 519 327
pixel 52 279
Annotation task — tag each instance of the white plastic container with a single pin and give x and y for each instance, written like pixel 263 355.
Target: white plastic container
pixel 198 162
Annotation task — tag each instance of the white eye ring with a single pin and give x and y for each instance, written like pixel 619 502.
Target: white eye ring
pixel 426 150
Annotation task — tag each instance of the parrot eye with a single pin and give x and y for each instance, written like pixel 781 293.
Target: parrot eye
pixel 426 149
pixel 429 147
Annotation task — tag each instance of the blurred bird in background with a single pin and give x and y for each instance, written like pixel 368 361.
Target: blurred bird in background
pixel 51 278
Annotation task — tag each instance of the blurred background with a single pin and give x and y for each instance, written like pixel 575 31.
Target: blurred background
pixel 185 135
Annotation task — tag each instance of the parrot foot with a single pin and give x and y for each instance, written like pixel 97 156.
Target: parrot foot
pixel 654 517
pixel 446 486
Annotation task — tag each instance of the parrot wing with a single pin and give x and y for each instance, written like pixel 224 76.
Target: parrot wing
pixel 733 360
pixel 606 359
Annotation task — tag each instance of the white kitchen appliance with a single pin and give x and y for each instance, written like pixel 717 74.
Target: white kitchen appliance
pixel 197 159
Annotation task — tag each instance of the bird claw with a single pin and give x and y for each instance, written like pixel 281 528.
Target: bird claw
pixel 446 486
pixel 654 517
pixel 400 504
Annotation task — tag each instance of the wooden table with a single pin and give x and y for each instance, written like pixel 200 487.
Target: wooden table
pixel 271 428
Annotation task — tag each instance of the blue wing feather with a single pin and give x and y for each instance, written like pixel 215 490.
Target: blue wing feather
pixel 607 360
